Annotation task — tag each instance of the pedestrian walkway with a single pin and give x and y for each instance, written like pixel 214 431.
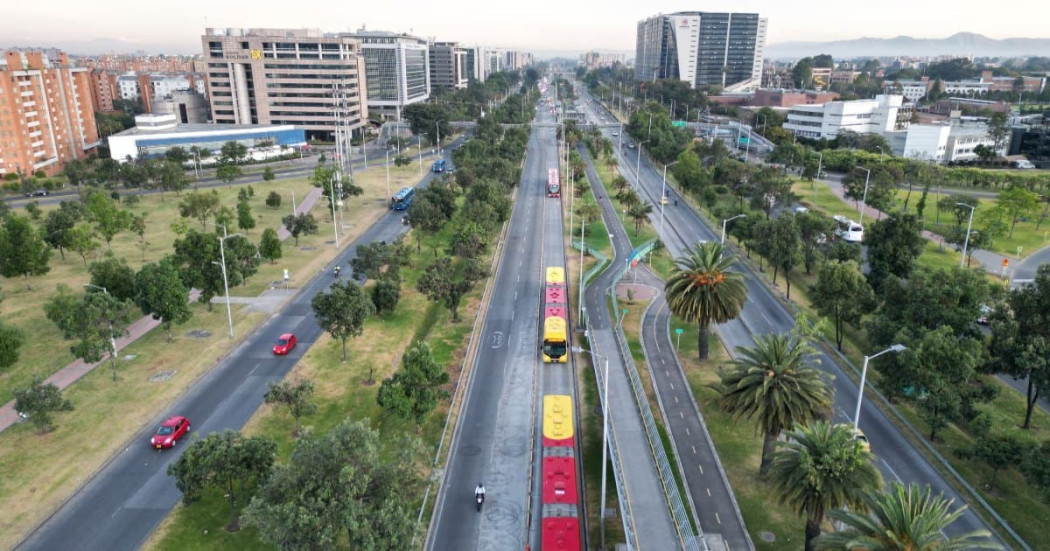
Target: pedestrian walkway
pixel 78 368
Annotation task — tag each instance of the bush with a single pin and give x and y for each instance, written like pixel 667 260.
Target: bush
pixel 40 174
pixel 11 177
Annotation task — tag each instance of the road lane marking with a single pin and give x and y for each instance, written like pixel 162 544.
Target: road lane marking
pixel 709 493
pixel 676 398
pixel 694 448
pixel 701 467
pixel 672 386
pixel 253 369
pixel 716 515
pixel 687 433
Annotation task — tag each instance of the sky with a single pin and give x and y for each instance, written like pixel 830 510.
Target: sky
pixel 81 26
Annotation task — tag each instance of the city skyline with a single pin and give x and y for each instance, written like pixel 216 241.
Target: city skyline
pixel 541 26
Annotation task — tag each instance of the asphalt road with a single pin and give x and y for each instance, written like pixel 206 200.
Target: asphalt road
pixel 709 492
pixel 122 504
pixel 495 433
pixel 898 458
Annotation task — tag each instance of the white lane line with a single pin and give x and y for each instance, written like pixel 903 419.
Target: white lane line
pixel 253 369
pixel 694 449
pixel 708 492
pixel 672 385
pixel 676 398
pixel 701 467
pixel 718 518
pixel 682 415
pixel 687 433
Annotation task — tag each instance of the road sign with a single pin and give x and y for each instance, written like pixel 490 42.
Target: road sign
pixel 678 333
pixel 678 124
pixel 1006 262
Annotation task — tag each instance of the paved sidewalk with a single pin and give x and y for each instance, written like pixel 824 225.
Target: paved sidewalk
pixel 71 373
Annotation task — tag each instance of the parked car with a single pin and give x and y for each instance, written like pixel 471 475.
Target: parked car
pixel 285 343
pixel 169 432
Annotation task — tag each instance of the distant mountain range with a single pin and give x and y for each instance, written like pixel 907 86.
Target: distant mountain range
pixel 956 44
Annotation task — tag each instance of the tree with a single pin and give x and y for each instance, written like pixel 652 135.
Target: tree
pixel 115 276
pixel 894 244
pixel 369 260
pixel 437 284
pixel 232 152
pixel 1017 202
pixel 802 73
pixel 426 119
pixel 300 224
pixel 414 391
pixel 162 295
pixel 245 220
pixel 38 401
pixel 773 385
pixel 342 311
pixel 1020 344
pixel 138 227
pixel 109 219
pixel 270 245
pixel 469 241
pixel 268 175
pixel 228 173
pixel 11 339
pixel 201 205
pixel 639 213
pixel 814 230
pixel 172 177
pixel 904 518
pixel 1035 466
pixel 784 249
pixel 198 260
pixel 342 482
pixel 999 129
pixel 33 210
pixel 224 218
pixel 998 451
pixel 385 295
pixel 177 154
pixel 819 468
pixel 842 294
pixel 940 366
pixel 94 320
pixel 22 251
pixel 81 241
pixel 273 200
pixel 702 290
pixel 297 397
pixel 228 462
pixel 58 225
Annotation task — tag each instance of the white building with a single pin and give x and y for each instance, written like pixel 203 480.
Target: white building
pixel 881 115
pixel 967 87
pixel 912 90
pixel 154 134
pixel 946 142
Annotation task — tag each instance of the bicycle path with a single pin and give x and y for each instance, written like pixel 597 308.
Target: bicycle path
pixel 79 368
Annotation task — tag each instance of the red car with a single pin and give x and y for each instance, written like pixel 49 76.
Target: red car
pixel 170 431
pixel 285 343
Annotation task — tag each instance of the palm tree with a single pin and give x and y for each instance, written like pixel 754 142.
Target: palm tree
pixel 905 518
pixel 628 197
pixel 702 290
pixel 640 214
pixel 773 385
pixel 589 211
pixel 822 467
pixel 619 183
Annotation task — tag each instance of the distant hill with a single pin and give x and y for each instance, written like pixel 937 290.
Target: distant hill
pixel 956 44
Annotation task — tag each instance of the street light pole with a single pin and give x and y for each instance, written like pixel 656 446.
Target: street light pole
pixel 583 247
pixel 864 199
pixel 225 281
pixel 112 340
pixel 638 163
pixel 726 221
pixel 966 242
pixel 863 378
pixel 663 199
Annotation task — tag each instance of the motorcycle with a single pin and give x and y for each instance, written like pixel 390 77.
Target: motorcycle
pixel 480 498
pixel 336 271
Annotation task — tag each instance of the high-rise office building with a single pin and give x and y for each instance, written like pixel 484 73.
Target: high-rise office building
pixel 448 68
pixel 397 70
pixel 286 76
pixel 702 48
pixel 46 115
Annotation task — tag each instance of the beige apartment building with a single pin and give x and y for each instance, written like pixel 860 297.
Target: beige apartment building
pixel 46 116
pixel 286 76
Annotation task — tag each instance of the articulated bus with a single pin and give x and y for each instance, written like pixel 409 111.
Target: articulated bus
pixel 402 199
pixel 560 524
pixel 555 340
pixel 553 184
pixel 555 276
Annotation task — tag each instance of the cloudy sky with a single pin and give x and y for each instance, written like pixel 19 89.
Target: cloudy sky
pixel 542 25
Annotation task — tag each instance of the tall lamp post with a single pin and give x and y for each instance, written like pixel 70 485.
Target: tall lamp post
pixel 726 221
pixel 638 162
pixel 663 198
pixel 864 376
pixel 112 340
pixel 605 433
pixel 966 242
pixel 225 280
pixel 864 199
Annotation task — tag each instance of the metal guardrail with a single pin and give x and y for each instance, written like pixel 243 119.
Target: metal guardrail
pixel 681 517
pixel 594 271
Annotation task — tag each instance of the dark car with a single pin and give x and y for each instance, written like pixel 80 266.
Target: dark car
pixel 170 431
pixel 285 343
pixel 38 193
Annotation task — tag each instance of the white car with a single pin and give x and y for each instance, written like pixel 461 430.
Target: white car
pixel 615 133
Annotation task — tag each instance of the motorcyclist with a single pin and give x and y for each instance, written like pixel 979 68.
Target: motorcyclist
pixel 335 271
pixel 479 494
